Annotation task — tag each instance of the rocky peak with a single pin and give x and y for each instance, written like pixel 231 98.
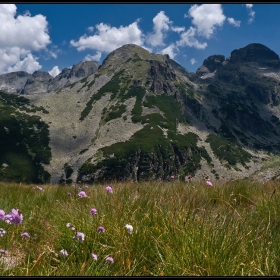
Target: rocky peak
pixel 254 53
pixel 210 64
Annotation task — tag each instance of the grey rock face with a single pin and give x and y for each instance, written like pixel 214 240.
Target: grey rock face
pixel 42 82
pixel 210 64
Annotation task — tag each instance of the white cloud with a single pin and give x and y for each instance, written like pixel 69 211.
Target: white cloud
pixel 90 28
pixel 234 22
pixel 178 29
pixel 188 39
pixel 206 18
pixel 170 51
pixel 251 12
pixel 28 64
pixel 193 61
pixel 95 57
pixel 19 36
pixel 161 25
pixel 108 38
pixel 55 71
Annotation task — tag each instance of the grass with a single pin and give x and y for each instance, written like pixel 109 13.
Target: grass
pixel 179 229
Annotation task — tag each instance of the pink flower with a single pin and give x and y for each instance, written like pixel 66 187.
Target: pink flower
pixel 93 211
pixel 4 251
pixel 79 236
pixel 69 194
pixel 109 259
pixel 25 234
pixel 109 189
pixel 94 256
pixel 41 189
pixel 2 214
pixel 15 217
pixel 101 229
pixel 82 194
pixel 86 187
pixel 209 183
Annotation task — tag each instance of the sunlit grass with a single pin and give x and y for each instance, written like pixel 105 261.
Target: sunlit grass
pixel 179 229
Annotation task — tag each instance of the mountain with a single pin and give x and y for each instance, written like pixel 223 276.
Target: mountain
pixel 141 116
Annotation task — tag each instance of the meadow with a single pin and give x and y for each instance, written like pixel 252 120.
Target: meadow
pixel 140 229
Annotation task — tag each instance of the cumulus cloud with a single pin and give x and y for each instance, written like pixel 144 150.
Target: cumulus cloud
pixel 55 71
pixel 235 23
pixel 206 18
pixel 107 38
pixel 19 37
pixel 188 39
pixel 193 61
pixel 161 25
pixel 170 51
pixel 250 12
pixel 95 57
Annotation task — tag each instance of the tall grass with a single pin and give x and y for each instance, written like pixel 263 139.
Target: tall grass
pixel 179 229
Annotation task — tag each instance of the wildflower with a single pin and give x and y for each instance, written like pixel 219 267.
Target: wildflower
pixel 3 251
pixel 73 186
pixel 2 232
pixel 86 187
pixel 25 234
pixel 69 225
pixel 101 229
pixel 109 189
pixel 93 211
pixel 209 183
pixel 2 214
pixel 80 189
pixel 94 256
pixel 15 217
pixel 63 252
pixel 79 236
pixel 109 259
pixel 69 194
pixel 129 228
pixel 82 194
pixel 41 189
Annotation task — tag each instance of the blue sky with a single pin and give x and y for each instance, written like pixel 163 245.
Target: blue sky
pixel 51 37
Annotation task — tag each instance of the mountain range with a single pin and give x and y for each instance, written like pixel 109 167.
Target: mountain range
pixel 141 116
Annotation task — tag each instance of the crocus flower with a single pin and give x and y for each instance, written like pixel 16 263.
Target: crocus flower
pixel 109 259
pixel 79 236
pixel 25 234
pixel 109 189
pixel 15 217
pixel 2 214
pixel 69 194
pixel 93 211
pixel 209 183
pixel 101 229
pixel 129 228
pixel 94 256
pixel 82 194
pixel 63 252
pixel 3 251
pixel 86 187
pixel 2 232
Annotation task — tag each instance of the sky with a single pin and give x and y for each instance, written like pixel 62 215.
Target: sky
pixel 50 37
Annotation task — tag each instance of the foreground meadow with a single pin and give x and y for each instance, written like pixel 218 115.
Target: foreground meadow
pixel 140 229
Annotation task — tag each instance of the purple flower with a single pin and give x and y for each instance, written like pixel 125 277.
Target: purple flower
pixel 69 194
pixel 80 189
pixel 93 211
pixel 82 194
pixel 25 234
pixel 2 214
pixel 101 229
pixel 86 187
pixel 109 259
pixel 79 236
pixel 94 256
pixel 109 189
pixel 73 186
pixel 3 251
pixel 15 217
pixel 209 183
